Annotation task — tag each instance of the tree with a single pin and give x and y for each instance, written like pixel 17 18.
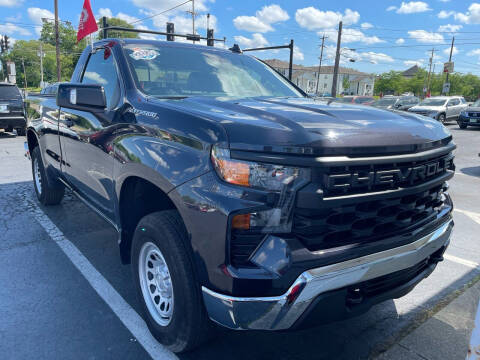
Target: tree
pixel 345 83
pixel 113 33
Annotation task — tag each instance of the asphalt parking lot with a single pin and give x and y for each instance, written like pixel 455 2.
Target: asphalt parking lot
pixel 65 295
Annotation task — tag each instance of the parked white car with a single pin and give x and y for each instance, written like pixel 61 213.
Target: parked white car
pixel 442 108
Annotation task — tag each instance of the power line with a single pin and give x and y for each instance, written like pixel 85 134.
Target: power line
pixel 160 13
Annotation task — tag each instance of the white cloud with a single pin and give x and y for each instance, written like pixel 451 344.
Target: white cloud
pixel 423 36
pixel 400 41
pixel 156 6
pixel 11 3
pixel 445 14
pixel 263 20
pixel 352 35
pixel 376 58
pixel 449 28
pixel 454 52
pixel 413 7
pixel 128 18
pixel 312 19
pixel 418 62
pixel 12 29
pixel 391 8
pixel 472 16
pixel 366 26
pixel 251 23
pixel 36 14
pixel 104 12
pixel 475 52
pixel 297 54
pixel 444 1
pixel 257 40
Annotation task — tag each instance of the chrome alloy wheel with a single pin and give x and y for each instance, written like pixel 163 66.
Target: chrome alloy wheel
pixel 37 176
pixel 156 283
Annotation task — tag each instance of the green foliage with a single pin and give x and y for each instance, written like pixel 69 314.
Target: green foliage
pixel 345 83
pixel 393 82
pixel 119 34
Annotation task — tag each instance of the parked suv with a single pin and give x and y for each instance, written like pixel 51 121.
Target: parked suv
pixel 442 108
pixel 470 116
pixel 12 114
pixel 237 199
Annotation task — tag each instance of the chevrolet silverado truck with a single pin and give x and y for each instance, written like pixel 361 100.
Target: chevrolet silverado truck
pixel 238 200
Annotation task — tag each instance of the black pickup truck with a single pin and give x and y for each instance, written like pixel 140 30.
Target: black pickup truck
pixel 12 110
pixel 237 199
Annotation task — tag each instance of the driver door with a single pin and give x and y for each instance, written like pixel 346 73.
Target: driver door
pixel 86 137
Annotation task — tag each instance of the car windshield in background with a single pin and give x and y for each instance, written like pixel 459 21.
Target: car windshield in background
pixel 385 102
pixel 476 103
pixel 344 100
pixel 363 100
pixel 433 102
pixel 168 71
pixel 9 92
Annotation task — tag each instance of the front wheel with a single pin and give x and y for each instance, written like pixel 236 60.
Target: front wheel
pixel 47 193
pixel 462 125
pixel 167 287
pixel 442 118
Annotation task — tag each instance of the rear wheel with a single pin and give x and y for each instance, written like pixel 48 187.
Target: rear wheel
pixel 20 131
pixel 47 193
pixel 462 125
pixel 442 118
pixel 167 288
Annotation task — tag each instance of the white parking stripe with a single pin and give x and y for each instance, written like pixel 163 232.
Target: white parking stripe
pixel 127 315
pixel 472 215
pixel 458 260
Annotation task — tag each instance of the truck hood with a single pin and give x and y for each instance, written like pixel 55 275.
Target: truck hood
pixel 289 124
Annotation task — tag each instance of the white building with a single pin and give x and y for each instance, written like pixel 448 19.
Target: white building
pixel 306 78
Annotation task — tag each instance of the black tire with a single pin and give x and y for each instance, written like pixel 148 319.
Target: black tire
pixel 442 118
pixel 462 125
pixel 21 131
pixel 48 192
pixel 9 129
pixel 189 325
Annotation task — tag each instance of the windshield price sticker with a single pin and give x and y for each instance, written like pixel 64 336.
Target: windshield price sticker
pixel 144 54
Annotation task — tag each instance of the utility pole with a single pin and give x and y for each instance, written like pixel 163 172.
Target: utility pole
pixel 41 63
pixel 450 60
pixel 337 61
pixel 24 75
pixel 57 42
pixel 430 71
pixel 320 63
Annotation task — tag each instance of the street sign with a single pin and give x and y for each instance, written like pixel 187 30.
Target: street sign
pixel 446 88
pixel 448 67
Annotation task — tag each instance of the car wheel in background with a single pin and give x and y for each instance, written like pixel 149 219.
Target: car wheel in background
pixel 442 118
pixel 166 283
pixel 462 125
pixel 20 131
pixel 47 193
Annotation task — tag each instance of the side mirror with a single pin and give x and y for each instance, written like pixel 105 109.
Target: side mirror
pixel 83 97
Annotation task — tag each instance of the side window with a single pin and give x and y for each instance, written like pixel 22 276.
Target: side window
pixel 101 70
pixel 454 102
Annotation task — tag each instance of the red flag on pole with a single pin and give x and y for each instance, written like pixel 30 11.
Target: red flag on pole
pixel 87 23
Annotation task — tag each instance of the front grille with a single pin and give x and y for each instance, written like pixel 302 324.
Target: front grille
pixel 370 171
pixel 366 221
pixel 474 114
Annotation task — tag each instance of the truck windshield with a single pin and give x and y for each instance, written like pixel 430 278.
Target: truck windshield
pixel 170 71
pixel 433 102
pixel 9 92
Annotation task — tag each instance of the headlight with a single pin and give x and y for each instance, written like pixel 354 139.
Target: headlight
pixel 257 175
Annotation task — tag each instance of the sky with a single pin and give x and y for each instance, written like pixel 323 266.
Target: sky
pixel 379 35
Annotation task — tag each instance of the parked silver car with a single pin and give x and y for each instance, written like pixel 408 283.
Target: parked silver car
pixel 442 108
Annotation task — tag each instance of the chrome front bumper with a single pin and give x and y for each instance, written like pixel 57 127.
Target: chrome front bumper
pixel 281 312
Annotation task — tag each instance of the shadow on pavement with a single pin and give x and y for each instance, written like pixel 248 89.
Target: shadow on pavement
pixel 472 171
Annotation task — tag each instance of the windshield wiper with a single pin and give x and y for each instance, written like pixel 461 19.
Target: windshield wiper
pixel 175 97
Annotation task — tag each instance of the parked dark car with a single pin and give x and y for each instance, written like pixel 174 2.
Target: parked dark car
pixel 50 89
pixel 470 116
pixel 359 100
pixel 396 102
pixel 238 199
pixel 12 109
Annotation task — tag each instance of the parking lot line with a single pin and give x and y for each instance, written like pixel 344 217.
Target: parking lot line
pixel 472 215
pixel 127 315
pixel 465 262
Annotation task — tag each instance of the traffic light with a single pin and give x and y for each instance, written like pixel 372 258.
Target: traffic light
pixel 2 44
pixel 170 31
pixel 6 44
pixel 210 41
